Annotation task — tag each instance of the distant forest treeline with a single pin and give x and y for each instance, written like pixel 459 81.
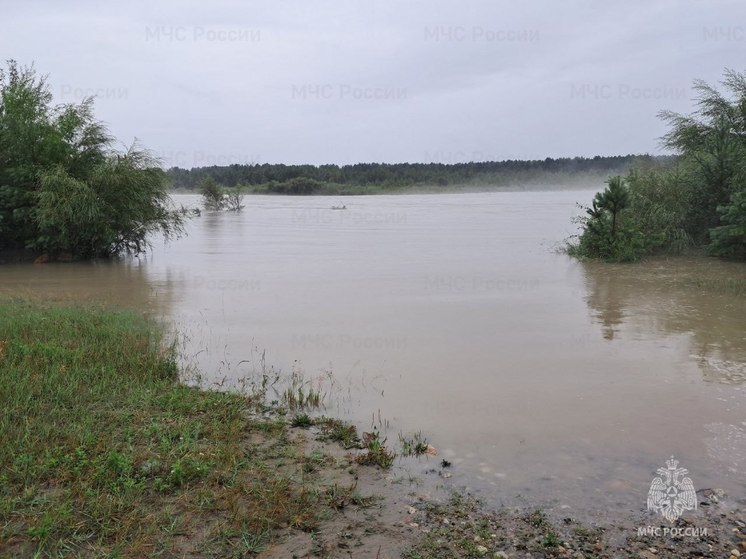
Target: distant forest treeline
pixel 377 177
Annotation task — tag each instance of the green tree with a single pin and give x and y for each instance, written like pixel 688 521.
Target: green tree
pixel 729 240
pixel 63 189
pixel 612 200
pixel 604 234
pixel 659 203
pixel 213 197
pixel 234 199
pixel 712 141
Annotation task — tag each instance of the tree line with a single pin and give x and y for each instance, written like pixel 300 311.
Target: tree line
pixel 377 177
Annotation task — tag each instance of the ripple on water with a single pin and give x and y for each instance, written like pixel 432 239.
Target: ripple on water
pixel 723 370
pixel 727 445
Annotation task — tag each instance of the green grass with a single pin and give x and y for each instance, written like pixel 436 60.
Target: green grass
pixel 106 454
pixel 338 431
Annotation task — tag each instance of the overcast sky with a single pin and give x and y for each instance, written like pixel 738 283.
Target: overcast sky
pixel 346 81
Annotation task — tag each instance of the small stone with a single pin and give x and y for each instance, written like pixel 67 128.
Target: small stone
pixel 482 550
pixel 446 521
pixel 740 524
pixel 560 549
pixel 500 555
pixel 735 553
pixel 414 525
pixel 411 510
pixel 652 550
pixel 597 546
pixel 477 539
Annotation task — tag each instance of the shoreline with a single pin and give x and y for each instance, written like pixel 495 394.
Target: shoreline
pixel 107 452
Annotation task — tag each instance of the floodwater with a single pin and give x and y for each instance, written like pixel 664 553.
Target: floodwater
pixel 541 379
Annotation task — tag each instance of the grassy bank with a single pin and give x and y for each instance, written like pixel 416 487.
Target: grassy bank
pixel 105 454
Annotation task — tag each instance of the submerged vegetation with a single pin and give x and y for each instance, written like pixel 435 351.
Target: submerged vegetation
pixel 697 201
pixel 64 190
pixel 216 197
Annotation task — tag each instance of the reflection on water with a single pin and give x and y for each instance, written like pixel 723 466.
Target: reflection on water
pixel 119 283
pixel 535 375
pixel 676 296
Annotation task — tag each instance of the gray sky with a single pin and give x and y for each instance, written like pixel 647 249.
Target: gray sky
pixel 303 81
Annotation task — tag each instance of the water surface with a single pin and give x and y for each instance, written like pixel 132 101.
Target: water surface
pixel 538 377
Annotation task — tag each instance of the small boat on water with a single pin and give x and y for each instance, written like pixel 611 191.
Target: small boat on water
pixel 339 207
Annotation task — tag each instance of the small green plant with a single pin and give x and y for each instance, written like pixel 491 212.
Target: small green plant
pixel 253 543
pixel 416 445
pixel 376 452
pixel 551 540
pixel 338 431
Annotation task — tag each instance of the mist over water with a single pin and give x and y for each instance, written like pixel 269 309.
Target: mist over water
pixel 537 376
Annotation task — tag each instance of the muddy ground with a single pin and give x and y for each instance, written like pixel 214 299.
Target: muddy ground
pixel 388 514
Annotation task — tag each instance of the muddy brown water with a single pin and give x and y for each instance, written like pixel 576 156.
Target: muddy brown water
pixel 543 380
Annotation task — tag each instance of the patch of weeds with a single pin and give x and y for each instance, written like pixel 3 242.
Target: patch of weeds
pixel 376 452
pixel 338 431
pixel 187 469
pixel 252 543
pixel 271 427
pixel 362 501
pixel 300 393
pixel 416 445
pixel 537 519
pixel 339 497
pixel 551 540
pixel 470 547
pixel 302 420
pixel 314 461
pixel 483 529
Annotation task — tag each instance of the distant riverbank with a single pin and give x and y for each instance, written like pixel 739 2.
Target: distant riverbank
pixel 387 178
pixel 303 186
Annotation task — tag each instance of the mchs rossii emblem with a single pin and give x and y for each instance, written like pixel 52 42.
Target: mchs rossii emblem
pixel 672 493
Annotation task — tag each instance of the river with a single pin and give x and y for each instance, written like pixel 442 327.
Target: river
pixel 541 379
